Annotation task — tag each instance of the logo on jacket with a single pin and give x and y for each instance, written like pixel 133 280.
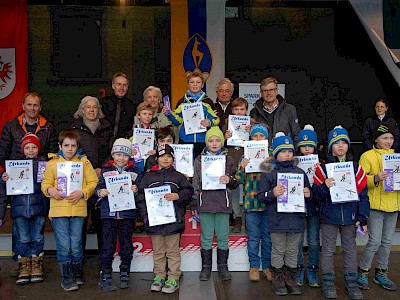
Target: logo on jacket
pixel 197 57
pixel 7 71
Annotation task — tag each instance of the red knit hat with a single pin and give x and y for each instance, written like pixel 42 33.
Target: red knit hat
pixel 30 138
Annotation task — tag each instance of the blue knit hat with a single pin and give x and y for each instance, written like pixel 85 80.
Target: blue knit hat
pixel 259 128
pixel 337 134
pixel 307 137
pixel 281 142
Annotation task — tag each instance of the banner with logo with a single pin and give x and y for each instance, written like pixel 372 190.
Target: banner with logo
pixel 13 57
pixel 197 44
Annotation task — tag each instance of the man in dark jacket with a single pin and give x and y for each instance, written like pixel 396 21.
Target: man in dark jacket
pixel 224 101
pixel 273 110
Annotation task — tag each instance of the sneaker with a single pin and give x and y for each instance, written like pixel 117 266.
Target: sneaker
pixel 300 275
pixel 170 286
pixel 382 279
pixel 157 284
pixel 362 279
pixel 312 276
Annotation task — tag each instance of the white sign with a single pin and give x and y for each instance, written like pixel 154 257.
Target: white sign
pixel 212 168
pixel 144 138
pixel 183 158
pixel 192 115
pixel 256 152
pixel 20 173
pixel 69 177
pixel 159 210
pixel 237 126
pixel 344 189
pixel 120 195
pixel 251 92
pixel 293 199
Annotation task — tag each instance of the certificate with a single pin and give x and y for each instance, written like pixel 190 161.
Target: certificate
pixel 307 163
pixel 293 199
pixel 192 115
pixel 120 195
pixel 159 210
pixel 256 152
pixel 69 177
pixel 145 139
pixel 237 125
pixel 20 173
pixel 391 165
pixel 344 189
pixel 41 169
pixel 212 168
pixel 183 158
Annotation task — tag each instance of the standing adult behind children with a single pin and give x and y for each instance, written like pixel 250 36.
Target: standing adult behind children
pixel 119 109
pixel 273 110
pixel 223 104
pixel 381 107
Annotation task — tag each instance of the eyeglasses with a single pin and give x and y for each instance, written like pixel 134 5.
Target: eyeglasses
pixel 269 90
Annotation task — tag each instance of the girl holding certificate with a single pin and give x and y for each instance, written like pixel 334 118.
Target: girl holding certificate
pixel 385 206
pixel 344 216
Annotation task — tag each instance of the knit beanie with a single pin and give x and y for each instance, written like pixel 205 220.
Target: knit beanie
pixel 165 149
pixel 30 138
pixel 307 137
pixel 380 129
pixel 122 146
pixel 259 128
pixel 215 131
pixel 337 134
pixel 281 142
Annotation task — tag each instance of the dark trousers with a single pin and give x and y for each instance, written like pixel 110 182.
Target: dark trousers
pixel 94 212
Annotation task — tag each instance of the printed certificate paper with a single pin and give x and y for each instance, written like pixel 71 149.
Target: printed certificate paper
pixel 192 115
pixel 237 125
pixel 256 152
pixel 307 163
pixel 293 199
pixel 20 174
pixel 391 165
pixel 121 195
pixel 183 158
pixel 70 177
pixel 145 139
pixel 344 189
pixel 159 210
pixel 212 168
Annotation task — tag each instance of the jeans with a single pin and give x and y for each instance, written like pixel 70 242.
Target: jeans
pixel 312 241
pixel 30 238
pixel 257 229
pixel 14 238
pixel 68 234
pixel 381 227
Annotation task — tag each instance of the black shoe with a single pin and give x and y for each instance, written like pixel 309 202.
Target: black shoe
pixel 278 281
pixel 222 264
pixel 206 260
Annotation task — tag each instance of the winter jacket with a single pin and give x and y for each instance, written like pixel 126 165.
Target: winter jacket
pixel 347 213
pixel 29 205
pixel 179 184
pixel 371 162
pixel 62 208
pixel 14 131
pixel 285 118
pixel 104 204
pixel 370 124
pixel 95 145
pixel 223 114
pixel 213 201
pixel 277 221
pixel 176 118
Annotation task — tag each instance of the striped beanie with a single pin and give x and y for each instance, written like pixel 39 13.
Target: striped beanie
pixel 337 134
pixel 281 142
pixel 307 137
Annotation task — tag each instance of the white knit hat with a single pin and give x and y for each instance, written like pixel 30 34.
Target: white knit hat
pixel 122 146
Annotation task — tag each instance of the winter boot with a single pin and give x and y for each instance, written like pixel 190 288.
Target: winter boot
pixel 78 271
pixel 68 282
pixel 278 281
pixel 222 264
pixel 124 276
pixel 290 281
pixel 106 283
pixel 25 270
pixel 312 276
pixel 328 285
pixel 237 228
pixel 37 268
pixel 254 274
pixel 267 274
pixel 351 286
pixel 382 279
pixel 300 275
pixel 206 261
pixel 362 279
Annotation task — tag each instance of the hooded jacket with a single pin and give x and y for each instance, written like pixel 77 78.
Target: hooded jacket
pixel 369 126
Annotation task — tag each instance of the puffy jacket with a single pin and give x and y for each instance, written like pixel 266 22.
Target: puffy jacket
pixel 179 184
pixel 285 119
pixel 371 162
pixel 277 221
pixel 347 213
pixel 370 124
pixel 14 131
pixel 62 208
pixel 104 204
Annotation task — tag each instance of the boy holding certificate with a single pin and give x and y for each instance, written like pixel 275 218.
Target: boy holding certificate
pixel 344 216
pixel 164 135
pixel 67 213
pixel 166 235
pixel 285 230
pixel 117 222
pixel 213 201
pixel 29 212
